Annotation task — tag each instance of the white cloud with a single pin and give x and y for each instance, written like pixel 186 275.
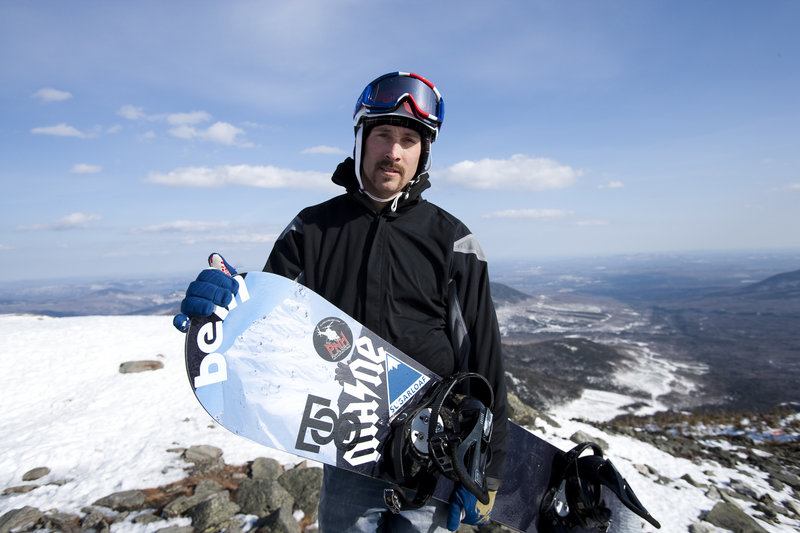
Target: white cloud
pixel 59 130
pixel 183 132
pixel 251 176
pixel 71 221
pixel 323 150
pixel 219 132
pixel 195 232
pixel 529 213
pixel 185 126
pixel 131 112
pixel 611 185
pixel 51 95
pixel 517 172
pixel 194 117
pixel 794 187
pixel 182 226
pixel 83 168
pixel 232 238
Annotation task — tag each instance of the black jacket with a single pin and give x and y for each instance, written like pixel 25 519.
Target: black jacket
pixel 415 276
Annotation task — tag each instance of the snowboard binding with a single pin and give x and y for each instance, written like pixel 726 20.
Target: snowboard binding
pixel 575 499
pixel 448 434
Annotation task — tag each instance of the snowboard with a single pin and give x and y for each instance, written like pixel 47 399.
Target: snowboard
pixel 285 368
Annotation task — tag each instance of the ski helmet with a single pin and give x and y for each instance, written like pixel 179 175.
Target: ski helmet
pixel 399 99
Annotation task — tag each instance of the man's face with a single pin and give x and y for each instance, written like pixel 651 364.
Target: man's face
pixel 391 156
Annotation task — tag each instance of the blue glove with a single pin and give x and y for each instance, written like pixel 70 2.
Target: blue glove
pixel 465 507
pixel 212 287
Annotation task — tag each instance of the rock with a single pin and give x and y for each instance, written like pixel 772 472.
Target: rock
pixel 521 413
pixel 180 505
pixel 262 497
pixel 793 506
pixel 740 487
pixel 64 522
pixel 646 470
pixel 788 478
pixel 130 367
pixel 127 500
pixel 93 521
pixel 280 521
pixel 215 513
pixel 146 518
pixel 579 437
pixel 776 484
pixel 304 485
pixel 688 479
pixel 204 488
pixel 207 486
pixel 726 515
pixel 19 489
pixel 699 527
pixel 35 473
pixel 19 518
pixel 713 493
pixel 727 495
pixel 176 529
pixel 265 468
pixel 205 458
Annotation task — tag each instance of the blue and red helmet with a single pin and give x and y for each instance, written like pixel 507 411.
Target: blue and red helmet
pixel 402 94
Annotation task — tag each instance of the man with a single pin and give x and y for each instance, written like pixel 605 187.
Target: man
pixel 407 270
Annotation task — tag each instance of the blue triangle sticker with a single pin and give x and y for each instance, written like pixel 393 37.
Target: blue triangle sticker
pixel 403 383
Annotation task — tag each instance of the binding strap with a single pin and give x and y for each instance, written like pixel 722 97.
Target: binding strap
pixel 458 454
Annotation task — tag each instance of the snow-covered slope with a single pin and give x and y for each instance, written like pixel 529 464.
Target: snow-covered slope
pixel 66 406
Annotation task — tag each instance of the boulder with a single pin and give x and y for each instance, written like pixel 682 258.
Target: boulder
pixel 304 485
pixel 35 473
pixel 127 500
pixel 19 518
pixel 262 497
pixel 729 516
pixel 215 513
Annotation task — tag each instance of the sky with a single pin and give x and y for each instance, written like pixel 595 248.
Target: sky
pixel 136 138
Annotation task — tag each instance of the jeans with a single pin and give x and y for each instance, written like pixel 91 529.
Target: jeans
pixel 351 503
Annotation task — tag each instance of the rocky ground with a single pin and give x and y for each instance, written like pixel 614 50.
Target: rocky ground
pixel 755 445
pixel 214 496
pixel 264 497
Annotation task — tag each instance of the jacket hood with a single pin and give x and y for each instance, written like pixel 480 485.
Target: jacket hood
pixel 345 176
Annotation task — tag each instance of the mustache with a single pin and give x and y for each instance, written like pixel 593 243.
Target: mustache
pixel 391 165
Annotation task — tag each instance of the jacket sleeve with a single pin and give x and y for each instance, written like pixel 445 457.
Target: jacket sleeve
pixel 286 258
pixel 476 338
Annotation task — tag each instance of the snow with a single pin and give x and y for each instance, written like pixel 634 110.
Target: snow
pixel 68 408
pixel 643 373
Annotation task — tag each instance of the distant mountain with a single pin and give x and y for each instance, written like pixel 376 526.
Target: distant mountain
pixel 503 294
pixel 786 285
pixel 146 297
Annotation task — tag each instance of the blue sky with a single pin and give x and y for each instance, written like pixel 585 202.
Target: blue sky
pixel 137 137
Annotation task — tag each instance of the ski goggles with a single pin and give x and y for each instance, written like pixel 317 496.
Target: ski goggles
pixel 386 93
